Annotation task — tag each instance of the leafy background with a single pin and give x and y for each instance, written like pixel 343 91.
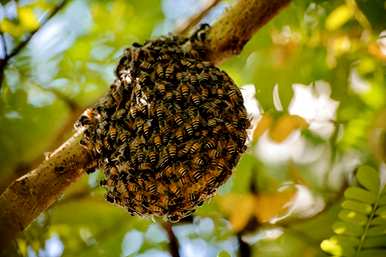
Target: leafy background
pixel 314 83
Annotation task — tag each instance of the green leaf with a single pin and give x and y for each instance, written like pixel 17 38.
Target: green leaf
pixel 344 228
pixel 352 217
pixel 381 211
pixel 372 242
pixel 223 254
pixel 376 231
pixel 359 194
pixel 369 178
pixel 382 199
pixel 339 17
pixel 337 248
pixel 357 206
pixel 372 253
pixel 379 220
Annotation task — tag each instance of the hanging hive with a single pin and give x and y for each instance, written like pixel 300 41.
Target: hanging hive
pixel 169 131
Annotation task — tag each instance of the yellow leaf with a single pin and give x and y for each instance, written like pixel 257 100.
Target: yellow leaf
pixel 263 124
pixel 11 28
pixel 339 16
pixel 28 18
pixel 285 125
pixel 240 209
pixel 270 205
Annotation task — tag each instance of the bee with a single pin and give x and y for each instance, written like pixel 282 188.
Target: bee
pixel 146 129
pixel 153 157
pixel 230 148
pixel 189 129
pixel 217 130
pixel 172 151
pixel 182 170
pixel 212 122
pixel 233 96
pixel 220 92
pixel 178 120
pixel 186 148
pixel 160 112
pixel 160 87
pixel 169 96
pixel 157 140
pixel 193 196
pixel 214 153
pixel 139 197
pixel 196 175
pixel 159 71
pixel 113 133
pixel 204 93
pixel 177 95
pixel 152 188
pixel 203 76
pixel 140 156
pixel 195 123
pixel 139 125
pixel 198 161
pixel 169 71
pixel 110 197
pixel 164 160
pixel 135 111
pixel 169 171
pixel 179 75
pixel 113 171
pixel 184 88
pixel 131 187
pixel 107 144
pixel 180 134
pixel 242 137
pixel 164 57
pixel 144 166
pixel 196 99
pixel 183 180
pixel 145 65
pixel 220 164
pixel 186 63
pixel 98 148
pixel 193 79
pixel 195 147
pixel 174 189
pixel 212 182
pixel 230 127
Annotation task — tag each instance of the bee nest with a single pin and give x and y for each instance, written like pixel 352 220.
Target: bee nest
pixel 170 129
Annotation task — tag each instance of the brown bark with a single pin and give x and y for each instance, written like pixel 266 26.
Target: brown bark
pixel 33 193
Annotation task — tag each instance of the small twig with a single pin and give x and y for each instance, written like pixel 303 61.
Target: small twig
pixel 22 44
pixel 192 21
pixel 173 241
pixel 4 44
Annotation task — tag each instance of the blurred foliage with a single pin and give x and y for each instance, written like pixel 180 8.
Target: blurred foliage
pixel 317 91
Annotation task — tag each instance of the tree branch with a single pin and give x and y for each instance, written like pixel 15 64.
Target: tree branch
pixel 173 241
pixel 33 193
pixel 234 29
pixel 192 21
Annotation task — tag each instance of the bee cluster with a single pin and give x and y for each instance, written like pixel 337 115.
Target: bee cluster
pixel 170 129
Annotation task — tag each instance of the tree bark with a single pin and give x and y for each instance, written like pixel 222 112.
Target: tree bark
pixel 34 192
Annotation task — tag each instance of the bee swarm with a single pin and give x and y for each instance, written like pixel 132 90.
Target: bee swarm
pixel 170 129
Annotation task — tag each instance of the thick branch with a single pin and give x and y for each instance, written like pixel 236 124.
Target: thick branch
pixel 33 193
pixel 233 30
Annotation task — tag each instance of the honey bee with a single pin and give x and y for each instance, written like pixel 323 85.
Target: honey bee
pixel 144 166
pixel 180 134
pixel 140 156
pixel 160 112
pixel 174 189
pixel 164 160
pixel 233 96
pixel 169 96
pixel 186 63
pixel 169 71
pixel 193 79
pixel 189 129
pixel 179 76
pixel 110 197
pixel 161 88
pixel 212 122
pixel 196 175
pixel 98 148
pixel 230 148
pixel 135 111
pixel 203 76
pixel 113 133
pixel 152 188
pixel 177 95
pixel 195 147
pixel 211 143
pixel 178 119
pixel 153 157
pixel 131 187
pixel 184 88
pixel 230 127
pixel 159 70
pixel 220 92
pixel 122 136
pixel 196 123
pixel 220 164
pixel 214 153
pixel 181 170
pixel 157 140
pixel 172 151
pixel 107 144
pixel 198 161
pixel 217 130
pixel 139 125
pixel 145 65
pixel 204 93
pixel 196 99
pixel 146 129
pixel 186 148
